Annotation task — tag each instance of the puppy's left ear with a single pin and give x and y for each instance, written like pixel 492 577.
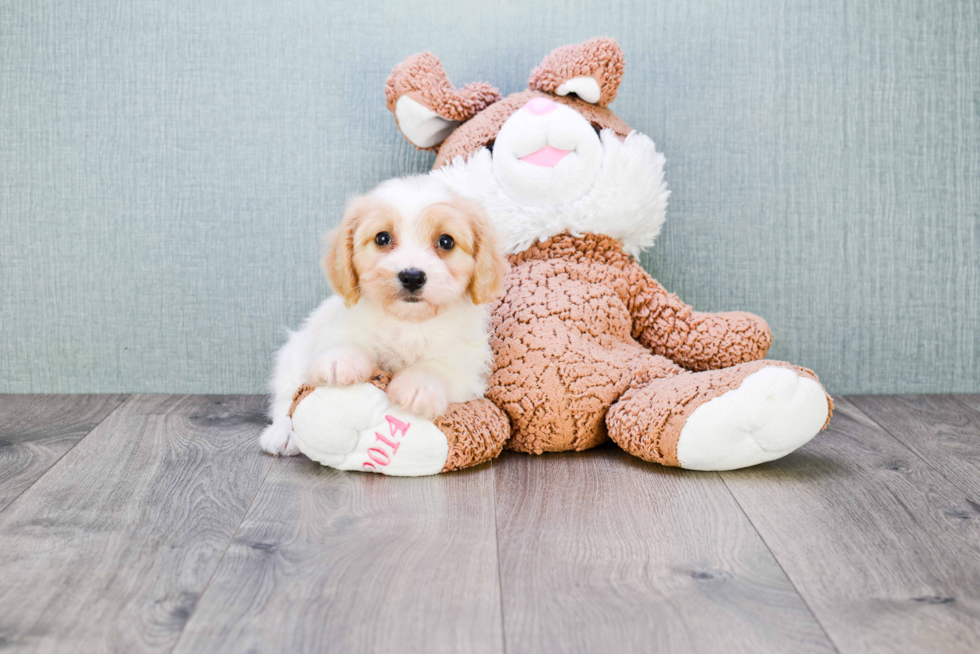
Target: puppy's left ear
pixel 491 265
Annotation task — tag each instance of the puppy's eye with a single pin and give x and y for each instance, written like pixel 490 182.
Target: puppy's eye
pixel 446 242
pixel 383 239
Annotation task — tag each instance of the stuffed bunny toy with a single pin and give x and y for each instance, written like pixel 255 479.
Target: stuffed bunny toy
pixel 587 345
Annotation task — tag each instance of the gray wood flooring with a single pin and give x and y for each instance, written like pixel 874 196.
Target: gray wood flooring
pixel 153 524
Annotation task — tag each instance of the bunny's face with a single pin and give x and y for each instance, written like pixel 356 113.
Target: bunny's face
pixel 546 154
pixel 545 142
pixel 549 160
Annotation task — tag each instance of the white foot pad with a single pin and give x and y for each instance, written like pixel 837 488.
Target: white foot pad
pixel 357 428
pixel 773 412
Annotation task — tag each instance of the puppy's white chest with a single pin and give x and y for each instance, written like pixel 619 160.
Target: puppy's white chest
pixel 399 346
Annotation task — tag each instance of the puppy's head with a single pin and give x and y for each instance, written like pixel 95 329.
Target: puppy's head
pixel 415 249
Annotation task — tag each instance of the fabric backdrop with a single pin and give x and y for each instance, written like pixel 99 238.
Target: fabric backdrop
pixel 167 168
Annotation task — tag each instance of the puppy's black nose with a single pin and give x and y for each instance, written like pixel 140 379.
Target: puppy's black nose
pixel 412 279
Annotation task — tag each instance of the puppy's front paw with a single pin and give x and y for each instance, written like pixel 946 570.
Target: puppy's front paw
pixel 341 366
pixel 277 438
pixel 418 393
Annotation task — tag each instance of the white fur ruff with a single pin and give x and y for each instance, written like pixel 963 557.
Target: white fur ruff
pixel 628 201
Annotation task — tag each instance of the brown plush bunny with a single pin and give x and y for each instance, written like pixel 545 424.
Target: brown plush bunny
pixel 587 345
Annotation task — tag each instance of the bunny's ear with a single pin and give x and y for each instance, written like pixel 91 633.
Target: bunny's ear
pixel 591 70
pixel 426 105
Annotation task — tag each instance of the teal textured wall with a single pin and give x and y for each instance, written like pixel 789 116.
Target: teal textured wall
pixel 167 169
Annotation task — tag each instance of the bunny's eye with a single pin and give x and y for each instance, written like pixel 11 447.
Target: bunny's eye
pixel 446 242
pixel 383 239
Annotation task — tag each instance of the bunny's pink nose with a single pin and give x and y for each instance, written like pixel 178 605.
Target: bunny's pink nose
pixel 540 106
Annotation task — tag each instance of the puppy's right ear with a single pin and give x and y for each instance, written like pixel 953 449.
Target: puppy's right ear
pixel 426 105
pixel 338 253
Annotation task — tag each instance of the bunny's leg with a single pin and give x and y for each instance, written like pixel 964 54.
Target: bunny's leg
pixel 721 419
pixel 357 428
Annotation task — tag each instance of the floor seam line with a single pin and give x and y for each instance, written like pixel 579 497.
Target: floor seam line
pixel 125 399
pixel 938 470
pixel 779 563
pixel 217 565
pixel 496 541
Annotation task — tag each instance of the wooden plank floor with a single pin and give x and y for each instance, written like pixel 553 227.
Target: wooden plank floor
pixel 152 523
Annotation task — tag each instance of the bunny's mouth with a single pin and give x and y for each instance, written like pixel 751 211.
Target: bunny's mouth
pixel 546 157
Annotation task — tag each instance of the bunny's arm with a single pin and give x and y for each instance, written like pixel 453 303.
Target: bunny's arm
pixel 692 339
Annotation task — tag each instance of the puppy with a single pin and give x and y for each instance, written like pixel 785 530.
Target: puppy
pixel 413 267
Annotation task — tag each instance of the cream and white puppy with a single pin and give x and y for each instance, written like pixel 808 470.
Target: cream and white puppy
pixel 413 267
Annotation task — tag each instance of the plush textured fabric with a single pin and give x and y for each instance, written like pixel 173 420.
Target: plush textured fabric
pixel 168 168
pixel 476 431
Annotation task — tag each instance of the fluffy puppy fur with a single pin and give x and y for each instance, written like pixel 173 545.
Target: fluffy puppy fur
pixel 413 267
